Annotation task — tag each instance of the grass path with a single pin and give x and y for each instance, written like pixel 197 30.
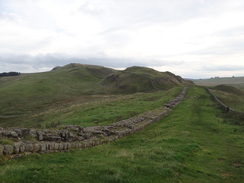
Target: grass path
pixel 191 144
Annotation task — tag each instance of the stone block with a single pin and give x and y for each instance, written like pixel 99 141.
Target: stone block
pixel 8 149
pixel 1 150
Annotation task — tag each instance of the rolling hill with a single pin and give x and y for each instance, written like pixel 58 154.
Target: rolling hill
pixel 141 79
pixel 32 94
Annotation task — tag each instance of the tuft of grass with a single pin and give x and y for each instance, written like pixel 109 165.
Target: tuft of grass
pixel 6 142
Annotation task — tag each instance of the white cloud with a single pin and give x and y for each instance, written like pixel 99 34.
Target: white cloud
pixel 152 33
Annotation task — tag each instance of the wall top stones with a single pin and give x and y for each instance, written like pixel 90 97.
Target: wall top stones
pixel 26 140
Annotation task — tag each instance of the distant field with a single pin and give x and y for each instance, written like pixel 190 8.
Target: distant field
pixel 230 96
pixel 192 144
pixel 234 81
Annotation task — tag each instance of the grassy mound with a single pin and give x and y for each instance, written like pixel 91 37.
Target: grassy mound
pixel 141 79
pixel 230 96
pixel 229 89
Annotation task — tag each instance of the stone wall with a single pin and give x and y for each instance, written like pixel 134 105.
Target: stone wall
pixel 239 116
pixel 222 105
pixel 25 141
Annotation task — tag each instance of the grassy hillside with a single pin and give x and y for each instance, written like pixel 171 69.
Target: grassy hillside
pixel 141 79
pixel 233 81
pixel 191 144
pixel 231 96
pixel 93 110
pixel 65 94
pixel 229 89
pixel 32 92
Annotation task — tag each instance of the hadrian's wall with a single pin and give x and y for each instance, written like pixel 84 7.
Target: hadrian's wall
pixel 226 108
pixel 26 141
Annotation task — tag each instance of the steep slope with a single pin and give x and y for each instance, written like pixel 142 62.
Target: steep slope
pixel 141 79
pixel 30 92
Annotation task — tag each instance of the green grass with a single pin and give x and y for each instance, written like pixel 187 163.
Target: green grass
pixel 191 144
pixel 230 96
pixel 233 81
pixel 6 142
pixel 95 110
pixel 142 79
pixel 61 96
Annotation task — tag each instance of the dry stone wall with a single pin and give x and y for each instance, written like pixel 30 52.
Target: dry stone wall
pixel 225 107
pixel 25 141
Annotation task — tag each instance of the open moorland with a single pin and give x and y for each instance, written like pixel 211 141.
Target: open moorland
pixel 232 81
pixel 195 142
pixel 83 95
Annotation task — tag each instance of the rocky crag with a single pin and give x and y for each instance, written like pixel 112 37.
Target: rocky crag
pixel 23 141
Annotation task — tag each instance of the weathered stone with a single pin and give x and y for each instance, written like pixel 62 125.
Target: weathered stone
pixel 8 149
pixel 43 147
pixel 81 133
pixel 22 148
pixel 33 133
pixel 39 135
pixel 61 146
pixel 13 134
pixel 36 147
pixel 80 138
pixel 56 146
pixel 63 134
pixel 25 132
pixel 29 147
pixel 50 137
pixel 19 132
pixel 70 137
pixel 1 149
pixel 73 127
pixel 17 147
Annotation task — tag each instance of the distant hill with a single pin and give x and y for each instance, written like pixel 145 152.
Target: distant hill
pixel 233 81
pixel 33 92
pixel 142 79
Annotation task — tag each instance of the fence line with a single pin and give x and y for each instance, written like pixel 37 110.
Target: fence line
pixel 225 107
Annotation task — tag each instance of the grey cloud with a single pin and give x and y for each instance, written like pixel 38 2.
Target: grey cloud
pixel 224 68
pixel 25 62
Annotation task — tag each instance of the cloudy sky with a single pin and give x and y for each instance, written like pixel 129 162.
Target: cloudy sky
pixel 191 38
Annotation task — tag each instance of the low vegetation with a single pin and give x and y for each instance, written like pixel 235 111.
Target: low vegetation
pixel 232 81
pixel 71 94
pixel 191 144
pixel 230 96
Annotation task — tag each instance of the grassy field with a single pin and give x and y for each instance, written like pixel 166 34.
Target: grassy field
pixel 92 110
pixel 230 96
pixel 191 144
pixel 74 94
pixel 233 81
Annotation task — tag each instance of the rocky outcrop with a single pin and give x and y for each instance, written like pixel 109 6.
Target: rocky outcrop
pixel 25 141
